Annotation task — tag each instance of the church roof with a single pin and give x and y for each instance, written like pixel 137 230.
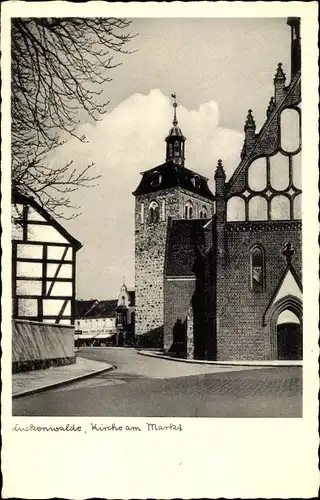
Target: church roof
pixel 174 176
pixel 184 239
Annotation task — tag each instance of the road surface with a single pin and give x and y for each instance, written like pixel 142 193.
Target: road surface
pixel 142 386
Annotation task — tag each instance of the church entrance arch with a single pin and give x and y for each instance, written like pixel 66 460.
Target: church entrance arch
pixel 286 329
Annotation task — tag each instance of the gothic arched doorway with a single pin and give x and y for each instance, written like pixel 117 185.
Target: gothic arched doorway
pixel 289 338
pixel 286 329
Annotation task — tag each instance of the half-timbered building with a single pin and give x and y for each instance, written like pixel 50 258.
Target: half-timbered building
pixel 43 265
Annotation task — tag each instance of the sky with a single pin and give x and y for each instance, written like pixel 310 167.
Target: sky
pixel 218 68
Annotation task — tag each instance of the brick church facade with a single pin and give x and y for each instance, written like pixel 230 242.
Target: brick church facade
pixel 220 276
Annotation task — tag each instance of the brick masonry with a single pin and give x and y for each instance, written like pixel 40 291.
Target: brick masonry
pixel 241 334
pixel 150 250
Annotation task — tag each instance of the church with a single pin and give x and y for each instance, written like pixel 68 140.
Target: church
pixel 219 276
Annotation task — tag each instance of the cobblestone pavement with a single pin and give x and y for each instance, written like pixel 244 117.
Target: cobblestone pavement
pixel 126 391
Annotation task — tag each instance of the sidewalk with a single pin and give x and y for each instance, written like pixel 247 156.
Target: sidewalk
pixel 26 383
pixel 260 364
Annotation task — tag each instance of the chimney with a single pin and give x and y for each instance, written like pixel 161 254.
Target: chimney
pixel 294 22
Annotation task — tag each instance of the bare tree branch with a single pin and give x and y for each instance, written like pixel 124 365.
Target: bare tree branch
pixel 59 68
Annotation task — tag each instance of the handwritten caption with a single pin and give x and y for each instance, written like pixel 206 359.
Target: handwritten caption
pixel 96 428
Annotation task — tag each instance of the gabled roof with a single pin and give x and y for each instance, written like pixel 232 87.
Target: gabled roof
pixel 83 307
pixel 174 176
pixel 185 238
pixel 104 309
pixel 19 198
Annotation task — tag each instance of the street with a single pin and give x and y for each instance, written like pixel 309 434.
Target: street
pixel 142 386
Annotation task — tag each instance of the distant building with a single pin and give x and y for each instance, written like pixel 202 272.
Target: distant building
pixel 224 271
pixel 106 321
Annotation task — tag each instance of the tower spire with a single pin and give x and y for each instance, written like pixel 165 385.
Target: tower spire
pixel 175 105
pixel 175 140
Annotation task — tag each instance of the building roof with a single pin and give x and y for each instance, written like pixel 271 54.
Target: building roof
pixel 19 198
pixel 83 307
pixel 174 176
pixel 103 309
pixel 185 237
pixel 94 308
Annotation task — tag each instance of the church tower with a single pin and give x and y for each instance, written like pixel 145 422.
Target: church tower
pixel 166 192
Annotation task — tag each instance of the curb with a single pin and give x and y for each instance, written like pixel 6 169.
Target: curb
pixel 261 364
pixel 59 384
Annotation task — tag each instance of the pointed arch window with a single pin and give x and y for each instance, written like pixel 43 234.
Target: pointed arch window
pixel 257 269
pixel 203 213
pixel 188 210
pixel 154 212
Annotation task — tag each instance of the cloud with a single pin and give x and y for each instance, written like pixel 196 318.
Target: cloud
pixel 129 140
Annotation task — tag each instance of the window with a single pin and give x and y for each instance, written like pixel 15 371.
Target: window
pixel 121 317
pixel 176 148
pixel 236 209
pixel 257 269
pixel 203 213
pixel 290 130
pixel 297 209
pixel 195 180
pixel 280 208
pixel 296 170
pixel 142 213
pixel 154 213
pixel 188 210
pixel 156 179
pixel 258 208
pixel 257 174
pixel 123 300
pixel 163 210
pixel 279 171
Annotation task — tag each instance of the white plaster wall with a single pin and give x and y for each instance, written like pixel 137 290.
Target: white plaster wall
pixel 39 341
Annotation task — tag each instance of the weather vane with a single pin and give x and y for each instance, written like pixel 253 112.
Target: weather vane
pixel 174 97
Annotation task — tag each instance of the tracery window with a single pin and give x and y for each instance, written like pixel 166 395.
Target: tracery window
pixel 236 209
pixel 290 130
pixel 279 171
pixel 257 271
pixel 280 208
pixel 188 210
pixel 257 174
pixel 297 208
pixel 203 213
pixel 154 213
pixel 258 208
